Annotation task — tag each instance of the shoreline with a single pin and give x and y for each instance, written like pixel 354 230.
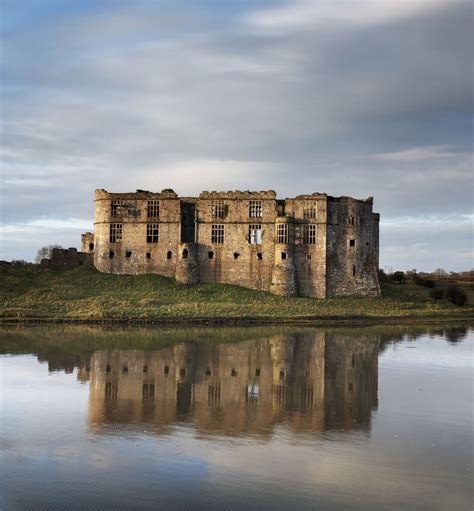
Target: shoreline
pixel 245 321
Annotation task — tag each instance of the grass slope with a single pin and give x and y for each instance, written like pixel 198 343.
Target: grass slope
pixel 33 292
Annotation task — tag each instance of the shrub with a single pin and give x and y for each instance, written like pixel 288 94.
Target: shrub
pixel 420 281
pixel 437 294
pixel 456 295
pixel 398 277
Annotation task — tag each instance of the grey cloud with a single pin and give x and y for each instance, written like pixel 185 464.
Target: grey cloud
pixel 140 97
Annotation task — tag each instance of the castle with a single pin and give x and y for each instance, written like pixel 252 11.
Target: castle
pixel 312 245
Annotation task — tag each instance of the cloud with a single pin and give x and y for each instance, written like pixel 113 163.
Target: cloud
pixel 357 98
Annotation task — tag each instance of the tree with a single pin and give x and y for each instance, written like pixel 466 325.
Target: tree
pixel 45 252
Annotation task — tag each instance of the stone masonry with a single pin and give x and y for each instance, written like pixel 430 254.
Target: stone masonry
pixel 312 245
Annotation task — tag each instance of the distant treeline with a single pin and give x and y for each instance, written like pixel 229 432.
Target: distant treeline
pixel 443 285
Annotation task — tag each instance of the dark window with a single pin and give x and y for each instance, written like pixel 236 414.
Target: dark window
pixel 257 371
pixel 308 257
pixel 167 370
pixel 282 233
pixel 219 209
pixel 283 255
pixel 153 209
pixel 145 368
pixel 108 369
pixel 182 373
pixel 217 233
pixel 259 256
pixel 125 369
pixel 208 372
pixel 128 254
pixel 152 233
pixel 115 233
pixel 148 255
pixel 185 253
pixel 353 271
pixel 352 243
pixel 111 254
pixel 309 234
pixel 210 254
pixel 169 254
pixel 233 372
pixel 236 255
pixel 91 246
pixel 282 375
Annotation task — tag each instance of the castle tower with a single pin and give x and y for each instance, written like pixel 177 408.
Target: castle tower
pixel 187 271
pixel 283 273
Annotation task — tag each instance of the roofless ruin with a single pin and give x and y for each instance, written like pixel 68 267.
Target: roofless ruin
pixel 312 245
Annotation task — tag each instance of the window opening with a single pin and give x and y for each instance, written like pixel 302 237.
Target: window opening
pixel 282 233
pixel 353 271
pixel 185 253
pixel 217 233
pixel 116 207
pixel 169 254
pixel 255 209
pixel 115 233
pixel 257 371
pixel 128 254
pixel 219 209
pixel 308 257
pixel 152 233
pixel 352 243
pixel 309 234
pixel 210 254
pixel 310 211
pixel 153 209
pixel 283 255
pixel 166 370
pixel 111 254
pixel 148 255
pixel 259 256
pixel 233 372
pixel 91 246
pixel 255 234
pixel 236 255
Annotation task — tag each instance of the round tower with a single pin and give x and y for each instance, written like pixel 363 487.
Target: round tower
pixel 283 273
pixel 186 266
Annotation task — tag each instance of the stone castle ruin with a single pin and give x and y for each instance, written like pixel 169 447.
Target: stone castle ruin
pixel 312 245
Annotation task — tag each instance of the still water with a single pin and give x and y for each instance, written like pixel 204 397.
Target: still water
pixel 362 419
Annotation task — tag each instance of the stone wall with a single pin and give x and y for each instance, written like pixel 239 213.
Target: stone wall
pixel 311 245
pixel 66 259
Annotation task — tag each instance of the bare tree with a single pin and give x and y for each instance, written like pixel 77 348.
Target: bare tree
pixel 45 252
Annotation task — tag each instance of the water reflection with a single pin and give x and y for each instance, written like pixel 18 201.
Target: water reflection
pixel 309 381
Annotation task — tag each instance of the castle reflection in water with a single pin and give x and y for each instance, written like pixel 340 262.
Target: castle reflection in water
pixel 307 381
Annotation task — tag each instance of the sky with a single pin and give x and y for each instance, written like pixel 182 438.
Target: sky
pixel 347 97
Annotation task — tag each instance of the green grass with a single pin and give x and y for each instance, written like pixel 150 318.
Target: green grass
pixel 33 292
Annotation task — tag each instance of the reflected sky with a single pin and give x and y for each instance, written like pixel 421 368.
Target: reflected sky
pixel 329 419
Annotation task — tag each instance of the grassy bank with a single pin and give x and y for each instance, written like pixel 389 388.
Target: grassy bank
pixel 34 293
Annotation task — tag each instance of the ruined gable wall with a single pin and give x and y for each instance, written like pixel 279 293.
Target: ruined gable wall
pixel 309 259
pixel 236 261
pixel 351 265
pixel 132 213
